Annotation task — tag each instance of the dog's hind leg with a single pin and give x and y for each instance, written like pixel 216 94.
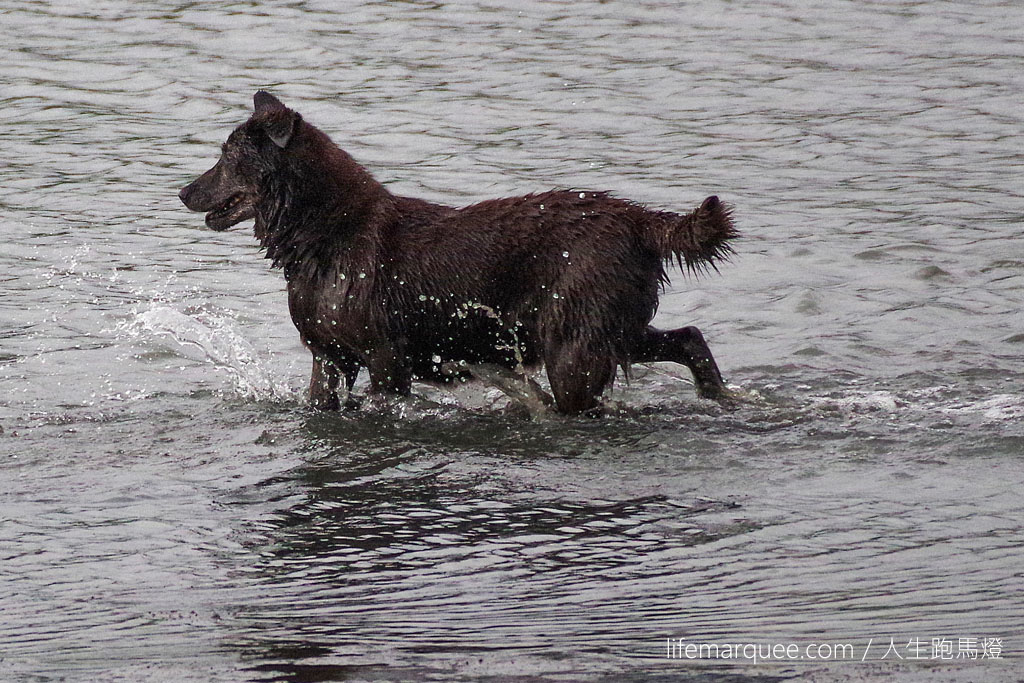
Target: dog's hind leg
pixel 686 346
pixel 577 378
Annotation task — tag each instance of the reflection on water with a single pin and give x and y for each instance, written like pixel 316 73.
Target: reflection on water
pixel 169 510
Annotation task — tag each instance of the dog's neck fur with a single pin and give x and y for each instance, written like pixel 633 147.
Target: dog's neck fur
pixel 319 204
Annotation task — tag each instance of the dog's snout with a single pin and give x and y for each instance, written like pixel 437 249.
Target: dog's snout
pixel 191 197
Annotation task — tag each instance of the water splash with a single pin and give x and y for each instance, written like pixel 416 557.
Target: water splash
pixel 994 409
pixel 515 383
pixel 859 401
pixel 929 403
pixel 221 343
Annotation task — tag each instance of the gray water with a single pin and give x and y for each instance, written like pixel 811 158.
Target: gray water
pixel 170 510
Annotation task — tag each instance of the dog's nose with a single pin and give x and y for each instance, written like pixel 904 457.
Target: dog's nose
pixel 186 194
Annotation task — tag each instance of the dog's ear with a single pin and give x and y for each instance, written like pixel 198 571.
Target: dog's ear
pixel 280 126
pixel 279 122
pixel 264 102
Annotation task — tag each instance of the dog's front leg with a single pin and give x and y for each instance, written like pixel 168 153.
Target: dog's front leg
pixel 326 378
pixel 323 384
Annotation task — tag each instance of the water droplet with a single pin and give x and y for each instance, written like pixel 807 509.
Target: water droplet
pixel 423 297
pixel 565 254
pixel 583 195
pixel 555 296
pixel 341 276
pixel 362 276
pixel 435 358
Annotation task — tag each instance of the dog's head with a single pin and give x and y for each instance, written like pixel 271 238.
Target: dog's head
pixel 228 192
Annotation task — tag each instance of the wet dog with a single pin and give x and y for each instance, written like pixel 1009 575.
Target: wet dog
pixel 407 288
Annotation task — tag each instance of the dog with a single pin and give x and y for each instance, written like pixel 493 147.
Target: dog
pixel 408 288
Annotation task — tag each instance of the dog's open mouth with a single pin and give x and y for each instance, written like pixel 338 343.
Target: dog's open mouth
pixel 237 208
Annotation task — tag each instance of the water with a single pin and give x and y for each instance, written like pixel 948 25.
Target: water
pixel 171 511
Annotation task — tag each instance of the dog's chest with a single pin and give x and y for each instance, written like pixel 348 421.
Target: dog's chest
pixel 334 310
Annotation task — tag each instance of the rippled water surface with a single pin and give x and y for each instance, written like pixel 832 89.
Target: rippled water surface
pixel 170 510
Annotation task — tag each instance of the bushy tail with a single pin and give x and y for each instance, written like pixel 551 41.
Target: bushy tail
pixel 697 241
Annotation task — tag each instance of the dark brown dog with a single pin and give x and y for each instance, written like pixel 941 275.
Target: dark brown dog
pixel 405 287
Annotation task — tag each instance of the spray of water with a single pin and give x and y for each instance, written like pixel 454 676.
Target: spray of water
pixel 223 346
pixel 515 383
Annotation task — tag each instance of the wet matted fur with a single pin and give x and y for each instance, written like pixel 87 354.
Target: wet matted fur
pixel 406 287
